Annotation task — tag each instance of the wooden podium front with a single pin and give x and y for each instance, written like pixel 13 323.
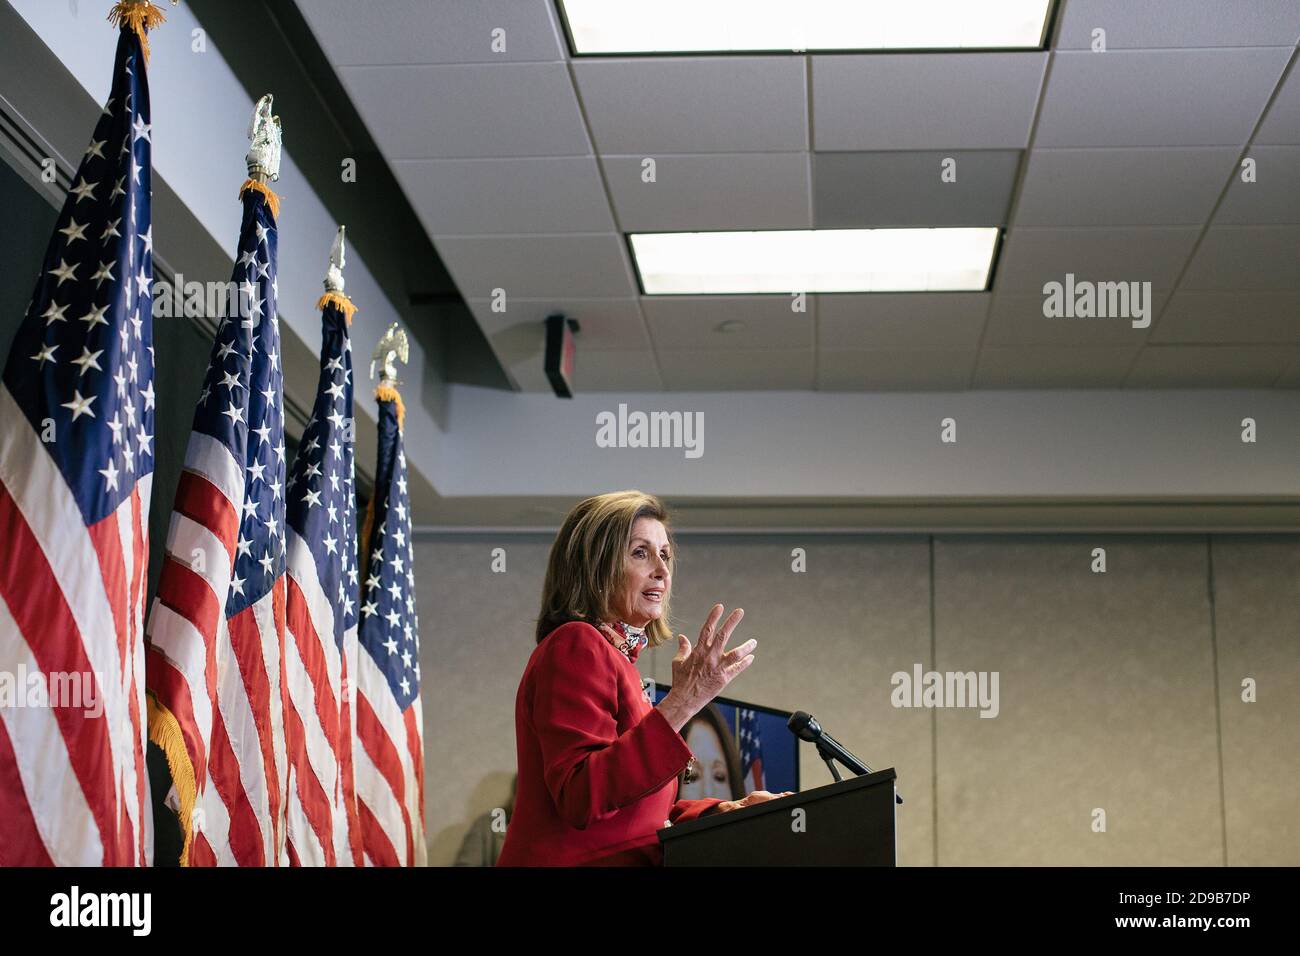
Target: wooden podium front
pixel 849 823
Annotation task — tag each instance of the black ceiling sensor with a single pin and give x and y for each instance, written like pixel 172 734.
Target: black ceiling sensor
pixel 560 350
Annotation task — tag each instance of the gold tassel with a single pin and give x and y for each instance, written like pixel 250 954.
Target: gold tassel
pixel 272 200
pixel 387 393
pixel 340 302
pixel 138 15
pixel 165 731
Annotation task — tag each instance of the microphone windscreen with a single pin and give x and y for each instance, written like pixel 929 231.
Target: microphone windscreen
pixel 801 724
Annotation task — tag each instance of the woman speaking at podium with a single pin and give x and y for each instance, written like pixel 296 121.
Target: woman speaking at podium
pixel 598 763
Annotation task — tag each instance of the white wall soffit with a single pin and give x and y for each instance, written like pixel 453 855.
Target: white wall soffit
pixel 1168 445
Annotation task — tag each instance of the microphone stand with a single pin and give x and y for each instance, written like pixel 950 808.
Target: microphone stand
pixel 831 750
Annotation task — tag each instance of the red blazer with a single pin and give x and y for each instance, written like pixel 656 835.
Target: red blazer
pixel 597 763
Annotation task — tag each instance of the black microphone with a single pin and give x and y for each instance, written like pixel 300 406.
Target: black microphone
pixel 805 726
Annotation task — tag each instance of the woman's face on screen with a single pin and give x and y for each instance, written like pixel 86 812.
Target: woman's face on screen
pixel 646 573
pixel 703 741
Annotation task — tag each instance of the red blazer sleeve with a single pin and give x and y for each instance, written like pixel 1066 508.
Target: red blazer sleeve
pixel 591 770
pixel 684 810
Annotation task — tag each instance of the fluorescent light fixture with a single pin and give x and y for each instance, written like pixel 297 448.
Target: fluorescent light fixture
pixel 815 260
pixel 697 26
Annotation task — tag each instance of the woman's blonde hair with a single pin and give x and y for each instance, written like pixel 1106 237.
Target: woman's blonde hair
pixel 585 571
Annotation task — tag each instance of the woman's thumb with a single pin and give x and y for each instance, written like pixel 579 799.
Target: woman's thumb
pixel 683 648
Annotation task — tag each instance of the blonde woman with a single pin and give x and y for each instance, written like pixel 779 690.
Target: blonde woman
pixel 598 764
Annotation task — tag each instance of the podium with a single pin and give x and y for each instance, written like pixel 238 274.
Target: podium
pixel 849 823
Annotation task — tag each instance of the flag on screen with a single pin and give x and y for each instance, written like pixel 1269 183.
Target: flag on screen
pixel 215 659
pixel 389 756
pixel 76 469
pixel 751 750
pixel 323 581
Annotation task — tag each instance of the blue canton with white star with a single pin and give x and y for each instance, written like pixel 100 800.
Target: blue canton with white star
pixel 321 502
pixel 81 365
pixel 389 629
pixel 241 405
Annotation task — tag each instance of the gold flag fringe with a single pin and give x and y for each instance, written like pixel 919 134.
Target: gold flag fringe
pixel 272 200
pixel 340 302
pixel 386 393
pixel 138 15
pixel 165 731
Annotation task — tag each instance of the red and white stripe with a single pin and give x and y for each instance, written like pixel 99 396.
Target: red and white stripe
pixel 223 680
pixel 73 788
pixel 350 828
pixel 389 759
pixel 313 713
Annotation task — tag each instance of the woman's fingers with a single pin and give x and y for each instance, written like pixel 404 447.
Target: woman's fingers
pixel 706 632
pixel 731 670
pixel 729 626
pixel 736 653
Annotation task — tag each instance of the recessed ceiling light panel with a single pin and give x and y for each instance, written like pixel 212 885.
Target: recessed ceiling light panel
pixel 815 260
pixel 721 26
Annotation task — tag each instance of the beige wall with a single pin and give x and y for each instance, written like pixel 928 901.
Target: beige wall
pixel 1107 682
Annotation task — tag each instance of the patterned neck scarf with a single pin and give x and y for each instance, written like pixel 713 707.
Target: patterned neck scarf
pixel 634 638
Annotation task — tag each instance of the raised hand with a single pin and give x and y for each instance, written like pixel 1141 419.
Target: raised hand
pixel 701 672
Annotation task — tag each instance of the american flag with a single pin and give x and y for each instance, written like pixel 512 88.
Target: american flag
pixel 322 611
pixel 389 761
pixel 76 469
pixel 215 660
pixel 751 750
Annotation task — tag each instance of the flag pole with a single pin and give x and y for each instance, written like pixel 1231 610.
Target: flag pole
pixel 393 346
pixel 173 680
pixel 263 159
pixel 386 679
pixel 334 294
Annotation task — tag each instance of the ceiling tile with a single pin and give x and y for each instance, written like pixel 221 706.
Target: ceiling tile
pixel 1209 366
pixel 604 324
pixel 433 31
pixel 610 371
pixel 501 109
pixel 1033 257
pixel 1245 258
pixel 1274 196
pixel 1281 126
pixel 1072 366
pixel 919 101
pixel 948 321
pixel 506 196
pixel 706 193
pixel 1154 24
pixel 681 323
pixel 1018 320
pixel 1237 316
pixel 880 370
pixel 856 190
pixel 650 106
pixel 539 267
pixel 1123 187
pixel 1157 97
pixel 755 370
